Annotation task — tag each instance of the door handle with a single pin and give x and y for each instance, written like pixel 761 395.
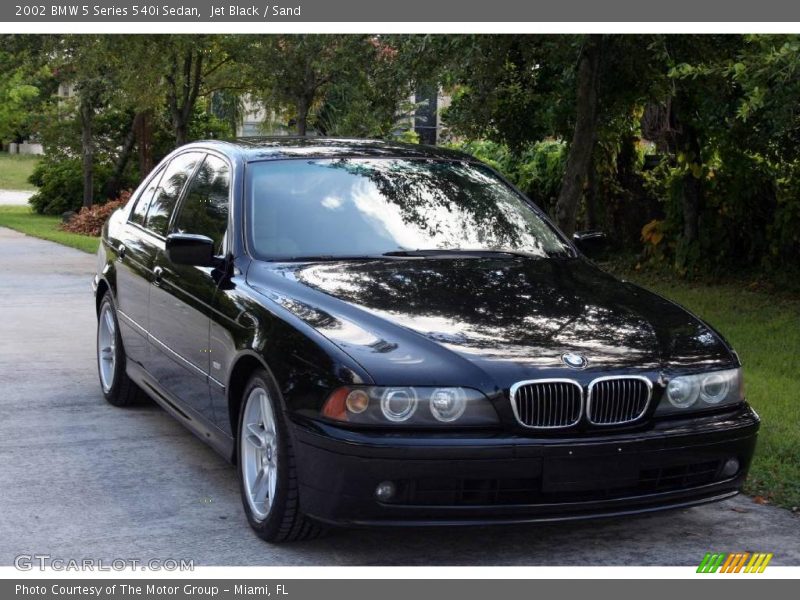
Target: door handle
pixel 121 251
pixel 157 273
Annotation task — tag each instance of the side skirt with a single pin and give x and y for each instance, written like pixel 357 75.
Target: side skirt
pixel 191 419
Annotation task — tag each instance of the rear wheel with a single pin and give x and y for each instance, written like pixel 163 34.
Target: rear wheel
pixel 117 387
pixel 267 470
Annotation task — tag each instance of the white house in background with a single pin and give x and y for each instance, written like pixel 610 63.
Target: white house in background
pixel 257 120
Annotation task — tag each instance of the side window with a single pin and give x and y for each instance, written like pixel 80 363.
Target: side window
pixel 204 210
pixel 169 190
pixel 144 199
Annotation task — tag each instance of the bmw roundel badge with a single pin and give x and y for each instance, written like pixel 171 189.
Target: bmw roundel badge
pixel 575 361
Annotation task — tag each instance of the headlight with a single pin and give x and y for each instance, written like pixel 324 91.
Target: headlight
pixel 410 406
pixel 704 390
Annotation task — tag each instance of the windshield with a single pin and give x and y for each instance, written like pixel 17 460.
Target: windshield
pixel 367 207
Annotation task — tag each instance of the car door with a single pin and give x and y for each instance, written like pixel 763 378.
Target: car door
pixel 182 295
pixel 136 250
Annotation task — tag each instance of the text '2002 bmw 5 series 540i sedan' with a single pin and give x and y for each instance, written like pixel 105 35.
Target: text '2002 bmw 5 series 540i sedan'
pixel 387 334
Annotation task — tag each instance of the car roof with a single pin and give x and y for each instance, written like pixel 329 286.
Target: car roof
pixel 252 149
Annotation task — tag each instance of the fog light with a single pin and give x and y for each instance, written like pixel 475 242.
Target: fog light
pixel 384 491
pixel 730 468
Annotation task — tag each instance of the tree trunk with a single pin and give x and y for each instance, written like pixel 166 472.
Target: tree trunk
pixel 86 110
pixel 182 93
pixel 592 194
pixel 181 132
pixel 144 140
pixel 579 159
pixel 692 189
pixel 112 187
pixel 303 106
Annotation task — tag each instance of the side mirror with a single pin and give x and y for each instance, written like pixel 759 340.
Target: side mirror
pixel 190 249
pixel 591 243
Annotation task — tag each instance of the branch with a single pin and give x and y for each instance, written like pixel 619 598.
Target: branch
pixel 216 67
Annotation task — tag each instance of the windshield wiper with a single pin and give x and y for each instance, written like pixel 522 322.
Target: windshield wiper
pixel 321 258
pixel 438 252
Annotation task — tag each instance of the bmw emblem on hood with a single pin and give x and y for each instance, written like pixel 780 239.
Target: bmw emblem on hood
pixel 575 361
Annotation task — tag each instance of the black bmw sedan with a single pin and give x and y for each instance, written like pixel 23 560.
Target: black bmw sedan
pixel 387 334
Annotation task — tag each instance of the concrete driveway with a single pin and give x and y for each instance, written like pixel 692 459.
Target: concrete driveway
pixel 80 478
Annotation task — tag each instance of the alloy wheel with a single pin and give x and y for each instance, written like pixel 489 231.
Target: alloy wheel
pixel 107 347
pixel 259 452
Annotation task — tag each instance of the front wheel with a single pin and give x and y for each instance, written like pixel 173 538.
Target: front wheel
pixel 267 471
pixel 117 387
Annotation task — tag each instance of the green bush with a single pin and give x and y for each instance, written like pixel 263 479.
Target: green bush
pixel 60 184
pixel 749 215
pixel 537 170
pixel 59 177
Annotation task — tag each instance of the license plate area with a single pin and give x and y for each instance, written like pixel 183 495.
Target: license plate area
pixel 588 474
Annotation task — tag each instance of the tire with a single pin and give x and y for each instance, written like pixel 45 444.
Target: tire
pixel 265 456
pixel 118 389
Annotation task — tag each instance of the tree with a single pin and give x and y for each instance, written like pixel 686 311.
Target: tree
pixel 81 60
pixel 579 160
pixel 175 72
pixel 520 89
pixel 295 71
pixel 730 123
pixel 26 85
pixel 15 98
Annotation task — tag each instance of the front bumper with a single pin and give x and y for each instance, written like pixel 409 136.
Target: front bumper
pixel 470 479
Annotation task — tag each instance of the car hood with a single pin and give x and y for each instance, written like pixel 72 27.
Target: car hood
pixel 510 319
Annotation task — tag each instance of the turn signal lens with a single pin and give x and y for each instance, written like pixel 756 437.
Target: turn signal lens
pixel 335 406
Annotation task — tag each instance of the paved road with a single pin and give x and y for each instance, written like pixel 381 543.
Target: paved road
pixel 79 478
pixel 14 197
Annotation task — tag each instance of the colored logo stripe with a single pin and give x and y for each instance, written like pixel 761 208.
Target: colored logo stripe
pixel 758 563
pixel 734 562
pixel 711 562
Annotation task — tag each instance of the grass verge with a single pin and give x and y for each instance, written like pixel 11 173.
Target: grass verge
pixel 24 220
pixel 15 170
pixel 764 329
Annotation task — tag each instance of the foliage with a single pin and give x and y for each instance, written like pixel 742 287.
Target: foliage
pixel 537 170
pixel 24 87
pixel 59 180
pixel 15 97
pixel 90 220
pixel 58 176
pixel 716 114
pixel 292 73
pixel 734 143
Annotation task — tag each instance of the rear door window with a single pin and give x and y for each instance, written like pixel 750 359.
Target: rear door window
pixel 204 210
pixel 145 198
pixel 169 190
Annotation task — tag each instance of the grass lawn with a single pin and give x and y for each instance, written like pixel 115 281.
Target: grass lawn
pixel 14 171
pixel 765 330
pixel 24 220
